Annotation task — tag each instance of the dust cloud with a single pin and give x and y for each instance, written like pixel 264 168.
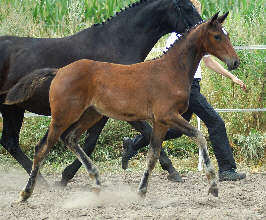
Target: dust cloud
pixel 109 196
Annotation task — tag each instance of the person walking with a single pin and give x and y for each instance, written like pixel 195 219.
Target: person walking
pixel 200 106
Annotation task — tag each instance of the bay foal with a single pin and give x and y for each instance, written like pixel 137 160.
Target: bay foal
pixel 84 91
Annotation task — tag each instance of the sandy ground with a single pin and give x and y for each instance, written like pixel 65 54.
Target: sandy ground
pixel 245 199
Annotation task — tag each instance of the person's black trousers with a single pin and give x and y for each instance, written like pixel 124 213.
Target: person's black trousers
pixel 216 127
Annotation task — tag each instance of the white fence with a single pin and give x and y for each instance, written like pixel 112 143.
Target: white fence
pixel 249 47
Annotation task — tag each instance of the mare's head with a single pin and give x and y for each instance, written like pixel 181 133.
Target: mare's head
pixel 216 41
pixel 181 15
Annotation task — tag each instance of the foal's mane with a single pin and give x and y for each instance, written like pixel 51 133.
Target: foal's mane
pixel 184 35
pixel 180 39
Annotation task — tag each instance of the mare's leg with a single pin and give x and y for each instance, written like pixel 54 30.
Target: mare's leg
pixel 89 146
pixel 157 137
pixel 164 160
pixel 12 122
pixel 177 122
pixel 131 147
pixel 71 136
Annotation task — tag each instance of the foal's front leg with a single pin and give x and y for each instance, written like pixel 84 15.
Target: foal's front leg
pixel 177 122
pixel 157 136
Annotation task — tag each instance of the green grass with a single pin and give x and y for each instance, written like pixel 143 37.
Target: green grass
pixel 62 17
pixel 249 9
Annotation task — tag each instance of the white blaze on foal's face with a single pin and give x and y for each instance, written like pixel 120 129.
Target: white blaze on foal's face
pixel 224 31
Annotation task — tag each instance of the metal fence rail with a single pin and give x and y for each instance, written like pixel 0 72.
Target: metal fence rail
pixel 28 115
pixel 200 160
pixel 241 110
pixel 248 47
pixel 234 110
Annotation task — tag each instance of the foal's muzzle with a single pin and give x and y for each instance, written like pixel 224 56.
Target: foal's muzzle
pixel 232 63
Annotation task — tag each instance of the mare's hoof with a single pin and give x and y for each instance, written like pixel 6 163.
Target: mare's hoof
pixel 142 192
pixel 128 153
pixel 63 183
pixel 175 177
pixel 24 196
pixel 214 191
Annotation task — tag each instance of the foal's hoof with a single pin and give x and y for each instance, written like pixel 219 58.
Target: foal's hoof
pixel 214 191
pixel 175 177
pixel 24 196
pixel 96 190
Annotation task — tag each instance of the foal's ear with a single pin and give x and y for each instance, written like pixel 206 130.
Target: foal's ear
pixel 214 18
pixel 222 18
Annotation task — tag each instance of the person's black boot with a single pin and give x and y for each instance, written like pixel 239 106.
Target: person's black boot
pixel 231 175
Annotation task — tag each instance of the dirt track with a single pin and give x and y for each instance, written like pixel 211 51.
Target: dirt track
pixel 165 200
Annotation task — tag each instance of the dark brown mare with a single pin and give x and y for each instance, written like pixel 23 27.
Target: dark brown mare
pixel 83 91
pixel 126 38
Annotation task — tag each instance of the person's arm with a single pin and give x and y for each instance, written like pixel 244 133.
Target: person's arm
pixel 218 68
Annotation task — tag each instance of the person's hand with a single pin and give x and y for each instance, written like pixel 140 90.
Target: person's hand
pixel 239 82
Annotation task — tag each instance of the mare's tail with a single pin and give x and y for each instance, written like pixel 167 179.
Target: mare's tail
pixel 26 86
pixel 4 60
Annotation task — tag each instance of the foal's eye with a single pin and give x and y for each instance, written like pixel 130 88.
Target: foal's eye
pixel 217 37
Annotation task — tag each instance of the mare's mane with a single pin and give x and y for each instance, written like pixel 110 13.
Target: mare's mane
pixel 122 11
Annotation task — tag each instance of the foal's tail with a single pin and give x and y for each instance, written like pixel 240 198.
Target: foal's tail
pixel 26 86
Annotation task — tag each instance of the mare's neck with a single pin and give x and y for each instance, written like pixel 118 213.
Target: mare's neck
pixel 185 55
pixel 131 34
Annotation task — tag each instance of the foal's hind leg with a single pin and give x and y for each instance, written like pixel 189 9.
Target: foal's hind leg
pixel 157 136
pixel 41 151
pixel 71 136
pixel 177 122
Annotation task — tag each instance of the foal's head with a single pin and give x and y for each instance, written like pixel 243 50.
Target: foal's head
pixel 216 41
